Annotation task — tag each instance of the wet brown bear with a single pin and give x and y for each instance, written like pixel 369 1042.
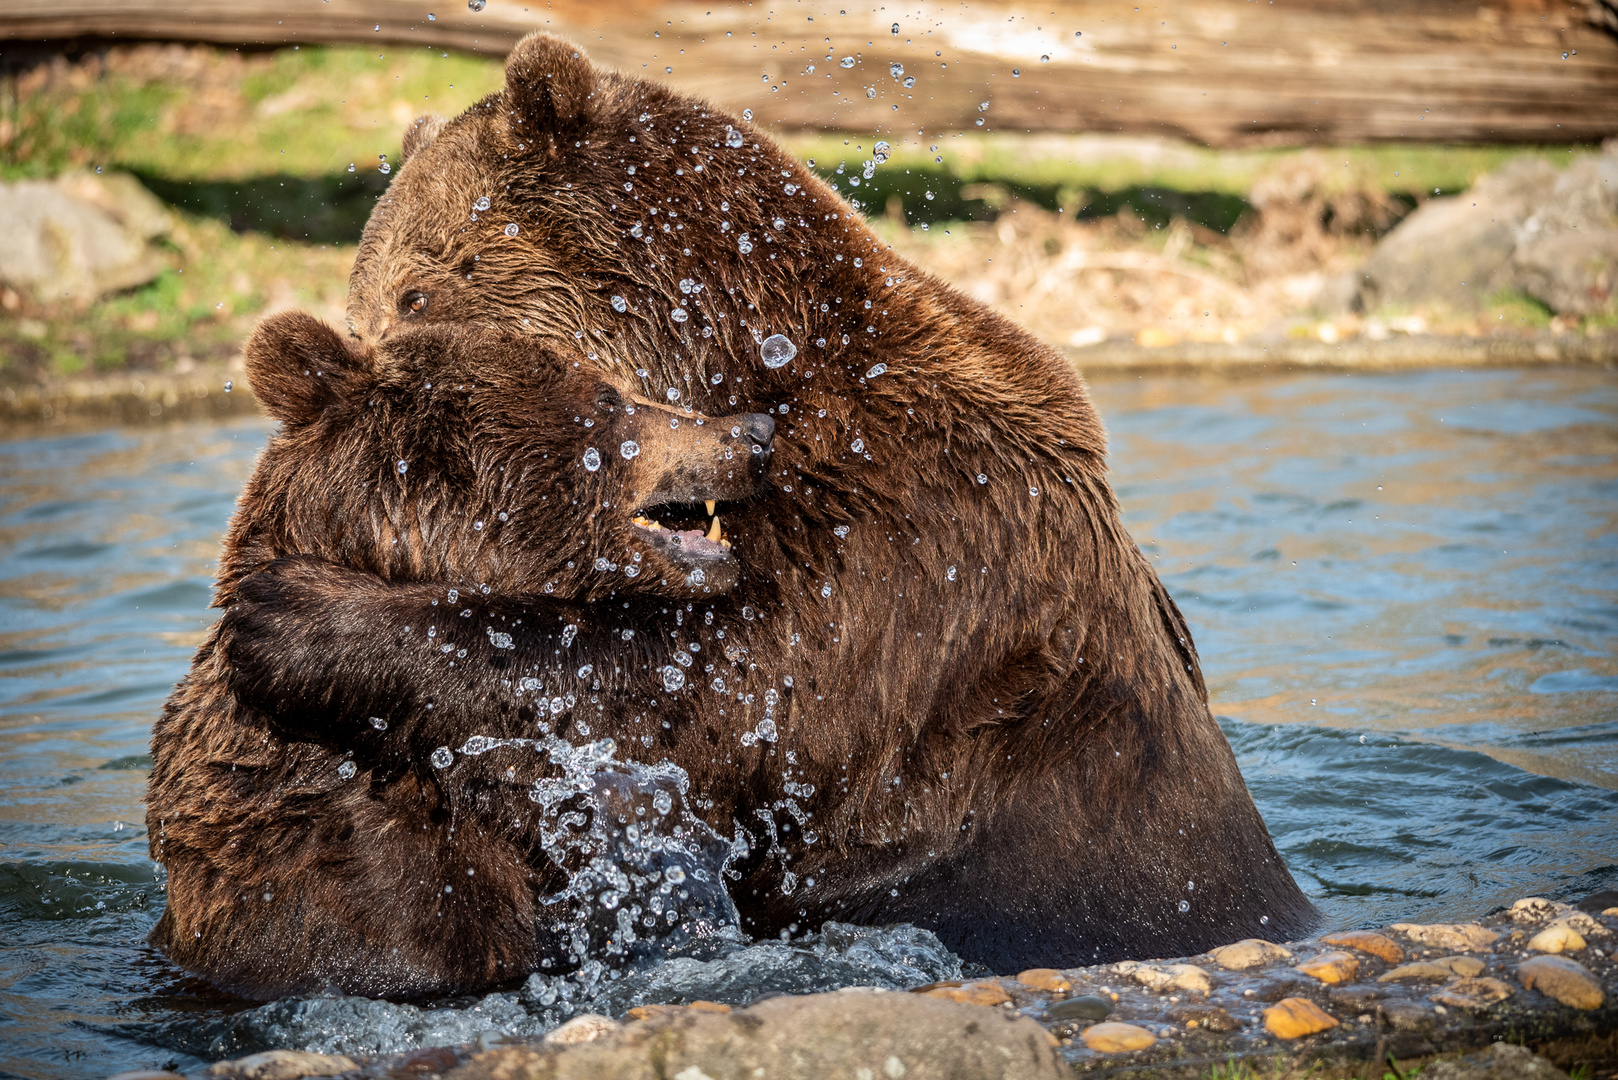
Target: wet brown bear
pixel 309 845
pixel 935 682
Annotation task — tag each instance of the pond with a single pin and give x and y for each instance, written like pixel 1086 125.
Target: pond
pixel 1404 588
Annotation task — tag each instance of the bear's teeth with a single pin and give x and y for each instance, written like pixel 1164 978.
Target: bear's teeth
pixel 646 523
pixel 713 530
pixel 711 504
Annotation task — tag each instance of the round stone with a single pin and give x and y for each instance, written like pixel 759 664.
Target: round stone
pixel 1377 945
pixel 1332 967
pixel 1560 978
pixel 1250 953
pixel 1293 1018
pixel 1044 979
pixel 1088 1007
pixel 1115 1038
pixel 1558 937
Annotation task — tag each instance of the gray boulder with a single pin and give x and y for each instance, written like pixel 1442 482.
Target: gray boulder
pixel 1550 233
pixel 838 1036
pixel 78 237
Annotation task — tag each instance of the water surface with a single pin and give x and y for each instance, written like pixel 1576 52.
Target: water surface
pixel 1404 589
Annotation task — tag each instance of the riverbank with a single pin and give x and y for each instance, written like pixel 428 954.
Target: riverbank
pixel 218 390
pixel 1527 992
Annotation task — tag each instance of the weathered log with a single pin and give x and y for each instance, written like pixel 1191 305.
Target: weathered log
pixel 1222 72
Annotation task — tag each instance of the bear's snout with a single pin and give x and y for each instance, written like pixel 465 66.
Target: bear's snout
pixel 758 427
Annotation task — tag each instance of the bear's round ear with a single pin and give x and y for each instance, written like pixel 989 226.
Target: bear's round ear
pixel 297 366
pixel 549 82
pixel 420 135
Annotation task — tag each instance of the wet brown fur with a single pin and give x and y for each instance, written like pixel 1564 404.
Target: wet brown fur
pixel 994 701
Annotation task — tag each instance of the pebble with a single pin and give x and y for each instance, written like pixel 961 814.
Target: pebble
pixel 1536 909
pixel 281 1065
pixel 1449 935
pixel 1472 993
pixel 1186 977
pixel 1115 1038
pixel 1208 1017
pixel 1560 978
pixel 1332 968
pixel 1045 979
pixel 1424 970
pixel 1249 953
pixel 1377 945
pixel 973 993
pixel 1295 1017
pixel 1088 1007
pixel 1465 966
pixel 581 1029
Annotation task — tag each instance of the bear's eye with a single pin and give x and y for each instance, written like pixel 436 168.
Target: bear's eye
pixel 608 398
pixel 413 303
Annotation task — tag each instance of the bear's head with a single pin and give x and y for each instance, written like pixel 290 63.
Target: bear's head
pixel 464 454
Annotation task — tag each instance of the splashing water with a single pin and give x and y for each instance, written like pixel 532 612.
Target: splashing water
pixel 777 350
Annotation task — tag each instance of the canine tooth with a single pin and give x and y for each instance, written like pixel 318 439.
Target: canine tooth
pixel 711 504
pixel 713 530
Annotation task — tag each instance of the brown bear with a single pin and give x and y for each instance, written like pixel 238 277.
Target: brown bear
pixel 921 668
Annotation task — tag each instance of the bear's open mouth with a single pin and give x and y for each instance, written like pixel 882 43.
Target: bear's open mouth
pixel 686 531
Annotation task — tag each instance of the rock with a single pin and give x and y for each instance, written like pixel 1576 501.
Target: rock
pixel 1088 1007
pixel 1168 977
pixel 281 1065
pixel 843 1034
pixel 1535 909
pixel 710 1006
pixel 973 993
pixel 1560 978
pixel 1472 993
pixel 1045 979
pixel 1502 1061
pixel 1449 935
pixel 1332 967
pixel 1114 1038
pixel 1423 970
pixel 1250 953
pixel 1604 902
pixel 1208 1017
pixel 1572 273
pixel 1464 966
pixel 1558 937
pixel 1295 1017
pixel 1377 945
pixel 584 1028
pixel 1409 1016
pixel 79 237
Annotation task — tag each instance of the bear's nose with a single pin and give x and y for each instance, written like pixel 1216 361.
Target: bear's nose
pixel 760 428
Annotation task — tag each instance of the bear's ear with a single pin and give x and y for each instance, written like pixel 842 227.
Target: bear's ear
pixel 420 135
pixel 549 82
pixel 298 365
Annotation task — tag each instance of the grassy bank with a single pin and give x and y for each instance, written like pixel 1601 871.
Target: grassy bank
pixel 271 162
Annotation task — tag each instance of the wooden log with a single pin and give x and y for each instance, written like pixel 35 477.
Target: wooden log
pixel 1222 72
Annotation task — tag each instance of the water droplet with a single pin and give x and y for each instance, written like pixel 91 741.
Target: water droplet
pixel 384 168
pixel 858 446
pixel 679 314
pixel 229 386
pixel 1016 73
pixel 747 114
pixel 620 304
pixel 1034 491
pixel 477 5
pixel 744 244
pixel 896 70
pixel 733 138
pixel 346 770
pixel 379 723
pixel 350 166
pixel 673 678
pixel 592 459
pixel 511 228
pixel 983 106
pixel 777 350
pixel 673 394
pixel 629 449
pixel 1185 906
pixel 482 203
pixel 982 479
pixel 847 61
pixel 876 369
pixel 673 874
pixel 870 91
pixel 441 758
pixel 688 286
pixel 825 590
pixel 403 467
pixel 718 684
pixel 1044 59
pixel 881 151
pixel 950 573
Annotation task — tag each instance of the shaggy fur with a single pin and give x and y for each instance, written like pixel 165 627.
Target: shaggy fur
pixel 934 681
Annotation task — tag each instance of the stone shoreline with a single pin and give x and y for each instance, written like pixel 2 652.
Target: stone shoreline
pixel 77 403
pixel 1540 975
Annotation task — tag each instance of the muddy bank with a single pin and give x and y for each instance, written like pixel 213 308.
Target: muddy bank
pixel 1540 975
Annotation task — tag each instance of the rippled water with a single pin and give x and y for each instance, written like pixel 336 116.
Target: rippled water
pixel 1404 589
